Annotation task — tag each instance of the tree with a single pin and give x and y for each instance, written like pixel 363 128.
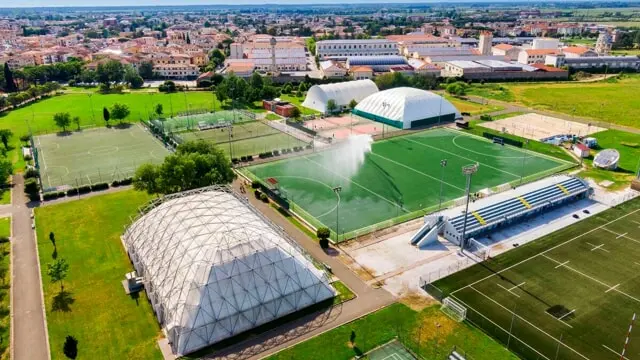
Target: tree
pixel 132 78
pixel 145 69
pixel 6 169
pixel 457 88
pixel 234 88
pixel 32 189
pixel 159 110
pixel 62 120
pixel 10 84
pixel 168 86
pixel 58 271
pixel 25 139
pixel 105 115
pixel 195 164
pixel 5 135
pixel 119 111
pixel 352 104
pixel 331 106
pixel 323 234
pixel 76 120
pixel 295 112
pixel 70 347
pixel 188 39
pixel 110 72
pixel 216 58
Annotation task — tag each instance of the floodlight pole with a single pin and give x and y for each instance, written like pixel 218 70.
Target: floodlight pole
pixel 440 111
pixel 524 157
pixel 443 164
pixel 468 171
pixel 171 105
pixel 337 191
pixel 93 116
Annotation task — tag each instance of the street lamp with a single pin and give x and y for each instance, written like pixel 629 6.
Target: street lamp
pixel 337 191
pixel 468 171
pixel 524 157
pixel 93 117
pixel 443 164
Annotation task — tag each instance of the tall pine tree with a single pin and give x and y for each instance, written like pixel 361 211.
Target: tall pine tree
pixel 8 78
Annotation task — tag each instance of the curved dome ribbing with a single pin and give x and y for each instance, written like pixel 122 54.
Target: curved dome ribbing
pixel 214 267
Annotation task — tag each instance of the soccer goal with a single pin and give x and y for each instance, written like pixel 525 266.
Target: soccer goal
pixel 454 309
pixel 478 249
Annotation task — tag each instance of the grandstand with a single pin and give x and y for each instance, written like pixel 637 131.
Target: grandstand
pixel 488 214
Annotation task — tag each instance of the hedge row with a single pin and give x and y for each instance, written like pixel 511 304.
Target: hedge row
pixel 273 153
pixel 86 189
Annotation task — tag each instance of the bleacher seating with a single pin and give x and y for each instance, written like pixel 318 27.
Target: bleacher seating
pixel 518 206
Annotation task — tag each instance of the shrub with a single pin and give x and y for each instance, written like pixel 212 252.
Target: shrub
pixel 84 189
pixel 52 195
pixel 235 160
pixel 257 193
pixel 72 192
pixel 308 147
pixel 276 153
pixel 323 233
pixel 486 118
pixel 31 173
pixel 32 189
pixel 4 239
pixel 255 184
pixel 28 158
pixel 99 186
pixel 264 197
pixel 126 181
pixel 324 243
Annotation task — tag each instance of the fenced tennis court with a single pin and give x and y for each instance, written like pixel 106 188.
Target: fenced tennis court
pixel 570 295
pixel 393 350
pixel 244 138
pixel 202 120
pixel 341 127
pixel 94 156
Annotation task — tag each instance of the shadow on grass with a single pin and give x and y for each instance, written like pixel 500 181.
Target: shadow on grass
pixel 122 125
pixel 135 296
pixel 62 301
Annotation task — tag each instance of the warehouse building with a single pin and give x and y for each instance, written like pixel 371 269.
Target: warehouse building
pixel 377 63
pixel 342 49
pixel 407 108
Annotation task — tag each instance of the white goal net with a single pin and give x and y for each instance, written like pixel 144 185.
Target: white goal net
pixel 478 249
pixel 454 309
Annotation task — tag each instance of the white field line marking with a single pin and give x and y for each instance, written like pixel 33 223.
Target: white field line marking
pixel 637 263
pixel 525 320
pixel 623 235
pixel 596 280
pixel 527 151
pixel 567 314
pixel 500 327
pixel 545 251
pixel 463 157
pixel 516 286
pixel 597 247
pixel 555 318
pixel 355 183
pixel 509 291
pixel 612 288
pixel 557 266
pixel 417 171
pixel 613 351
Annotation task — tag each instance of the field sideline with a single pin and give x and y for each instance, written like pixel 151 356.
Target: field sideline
pixel 572 293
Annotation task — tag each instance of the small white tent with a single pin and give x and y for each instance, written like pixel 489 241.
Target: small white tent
pixel 342 93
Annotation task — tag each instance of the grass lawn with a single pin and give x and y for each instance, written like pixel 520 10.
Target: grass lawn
pixel 606 101
pixel 472 107
pixel 94 308
pixel 39 116
pixel 579 41
pixel 628 145
pixel 297 101
pixel 272 116
pixel 398 180
pixel 560 288
pixel 5 281
pixel 417 330
pixel 626 52
pixel 5 196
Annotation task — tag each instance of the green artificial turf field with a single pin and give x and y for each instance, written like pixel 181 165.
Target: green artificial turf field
pixel 248 138
pixel 93 307
pixel 398 180
pixel 188 122
pixel 570 295
pixel 95 155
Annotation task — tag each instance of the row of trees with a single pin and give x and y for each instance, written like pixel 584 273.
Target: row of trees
pixel 117 112
pixel 34 91
pixel 242 91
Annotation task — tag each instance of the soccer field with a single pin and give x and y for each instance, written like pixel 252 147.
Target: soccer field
pixel 569 295
pixel 95 155
pixel 399 179
pixel 248 138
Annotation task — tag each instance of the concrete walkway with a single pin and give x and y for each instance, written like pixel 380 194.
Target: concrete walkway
pixel 29 333
pixel 368 300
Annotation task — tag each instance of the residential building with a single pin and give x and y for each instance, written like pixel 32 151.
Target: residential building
pixel 545 43
pixel 578 51
pixel 535 56
pixel 510 52
pixel 332 69
pixel 361 72
pixel 593 62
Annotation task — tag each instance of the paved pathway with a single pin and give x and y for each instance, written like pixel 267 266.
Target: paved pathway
pixel 29 333
pixel 368 300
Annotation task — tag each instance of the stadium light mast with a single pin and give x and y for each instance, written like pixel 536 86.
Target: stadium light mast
pixel 468 171
pixel 524 157
pixel 337 191
pixel 443 164
pixel 93 116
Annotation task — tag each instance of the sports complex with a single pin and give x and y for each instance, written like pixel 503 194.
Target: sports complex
pixel 569 295
pixel 400 179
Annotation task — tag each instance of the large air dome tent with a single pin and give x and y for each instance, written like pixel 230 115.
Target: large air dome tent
pixel 342 93
pixel 214 267
pixel 407 108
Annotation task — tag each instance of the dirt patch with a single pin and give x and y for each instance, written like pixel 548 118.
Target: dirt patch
pixel 416 300
pixel 434 327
